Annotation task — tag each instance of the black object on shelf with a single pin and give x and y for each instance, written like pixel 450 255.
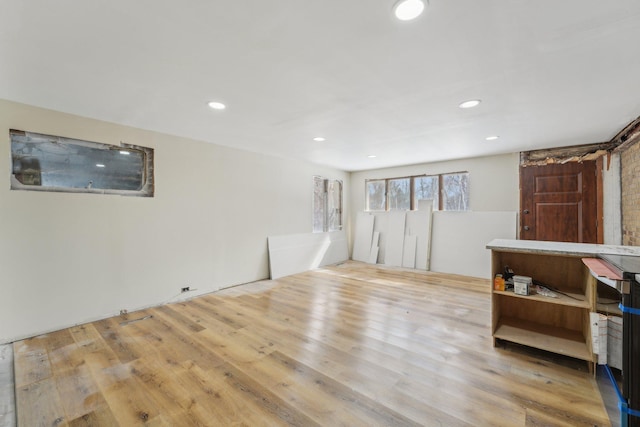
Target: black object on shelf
pixel 628 267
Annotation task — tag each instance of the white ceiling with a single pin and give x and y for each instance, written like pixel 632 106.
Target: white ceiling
pixel 550 73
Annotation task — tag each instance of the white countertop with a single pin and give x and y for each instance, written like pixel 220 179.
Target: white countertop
pixel 560 248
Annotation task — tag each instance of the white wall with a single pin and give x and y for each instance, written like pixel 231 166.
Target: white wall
pixel 70 258
pixel 493 187
pixel 493 181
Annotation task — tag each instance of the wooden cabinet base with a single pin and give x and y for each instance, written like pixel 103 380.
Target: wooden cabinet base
pixel 557 324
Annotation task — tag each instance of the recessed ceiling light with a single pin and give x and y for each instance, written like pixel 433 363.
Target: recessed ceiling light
pixel 470 104
pixel 217 105
pixel 372 156
pixel 319 139
pixel 406 10
pixel 492 138
pixel 99 165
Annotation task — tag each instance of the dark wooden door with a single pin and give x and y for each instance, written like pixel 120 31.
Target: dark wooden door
pixel 559 202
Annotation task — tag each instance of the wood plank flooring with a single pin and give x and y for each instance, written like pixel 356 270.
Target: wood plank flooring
pixel 348 345
pixel 7 394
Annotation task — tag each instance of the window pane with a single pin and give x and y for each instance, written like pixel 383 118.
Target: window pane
pixel 455 192
pixel 399 194
pixel 334 205
pixel 51 163
pixel 327 205
pixel 375 195
pixel 426 188
pixel 318 204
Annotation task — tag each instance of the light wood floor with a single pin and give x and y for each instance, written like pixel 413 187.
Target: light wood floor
pixel 7 395
pixel 352 345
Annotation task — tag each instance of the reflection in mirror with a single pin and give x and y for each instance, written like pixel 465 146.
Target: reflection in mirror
pixel 50 163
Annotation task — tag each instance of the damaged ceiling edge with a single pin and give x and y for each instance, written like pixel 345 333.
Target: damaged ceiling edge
pixel 578 153
pixel 628 136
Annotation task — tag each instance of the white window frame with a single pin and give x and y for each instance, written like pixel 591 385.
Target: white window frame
pixel 413 199
pixel 322 209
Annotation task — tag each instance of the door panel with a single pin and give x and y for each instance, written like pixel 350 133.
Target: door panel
pixel 562 213
pixel 559 202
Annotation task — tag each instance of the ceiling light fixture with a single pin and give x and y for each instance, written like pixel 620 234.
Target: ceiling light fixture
pixel 492 138
pixel 372 156
pixel 406 10
pixel 319 139
pixel 217 105
pixel 99 165
pixel 123 152
pixel 470 104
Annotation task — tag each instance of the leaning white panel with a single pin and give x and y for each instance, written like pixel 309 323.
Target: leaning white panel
pixel 459 240
pixel 419 224
pixel 363 234
pixel 394 239
pixel 296 253
pixel 373 254
pixel 409 252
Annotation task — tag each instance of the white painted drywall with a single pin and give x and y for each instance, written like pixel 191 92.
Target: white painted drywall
pixel 459 240
pixel 419 225
pixel 394 238
pixel 493 183
pixel 363 235
pixel 296 253
pixel 71 258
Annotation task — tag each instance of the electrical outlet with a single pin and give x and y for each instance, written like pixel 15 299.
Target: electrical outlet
pixel 187 289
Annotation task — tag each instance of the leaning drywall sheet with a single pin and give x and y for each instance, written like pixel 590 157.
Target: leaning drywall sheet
pixel 296 253
pixel 7 395
pixel 362 238
pixel 394 239
pixel 409 251
pixel 380 226
pixel 373 254
pixel 459 240
pixel 419 224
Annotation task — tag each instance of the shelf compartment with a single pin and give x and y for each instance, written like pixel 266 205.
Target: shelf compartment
pixel 544 337
pixel 609 309
pixel 579 300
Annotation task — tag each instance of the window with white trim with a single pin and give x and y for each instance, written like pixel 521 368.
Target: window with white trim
pixel 327 204
pixel 449 192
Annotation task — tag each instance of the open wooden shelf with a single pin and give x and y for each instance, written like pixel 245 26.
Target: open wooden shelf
pixel 560 325
pixel 549 338
pixel 578 300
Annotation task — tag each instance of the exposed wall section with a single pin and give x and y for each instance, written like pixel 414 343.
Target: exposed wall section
pixel 612 200
pixel 630 183
pixel 70 258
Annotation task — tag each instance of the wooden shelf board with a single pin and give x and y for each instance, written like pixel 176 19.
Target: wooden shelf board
pixel 544 337
pixel 562 299
pixel 609 309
